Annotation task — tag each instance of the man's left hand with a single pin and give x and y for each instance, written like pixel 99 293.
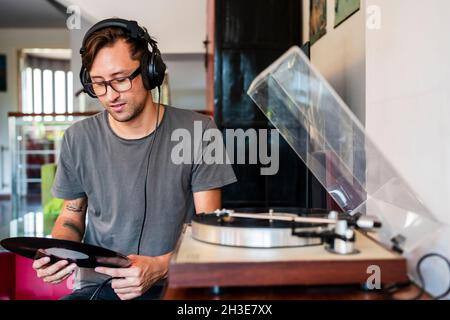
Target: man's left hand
pixel 139 277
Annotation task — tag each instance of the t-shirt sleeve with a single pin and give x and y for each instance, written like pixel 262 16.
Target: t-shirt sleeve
pixel 66 184
pixel 211 171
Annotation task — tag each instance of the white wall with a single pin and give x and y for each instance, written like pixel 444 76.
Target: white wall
pixel 11 40
pixel 187 78
pixel 408 108
pixel 340 56
pixel 395 81
pixel 179 26
pixel 83 102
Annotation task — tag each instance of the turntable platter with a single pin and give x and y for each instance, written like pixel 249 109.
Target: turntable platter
pixel 252 233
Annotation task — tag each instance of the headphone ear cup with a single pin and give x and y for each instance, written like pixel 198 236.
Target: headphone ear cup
pixel 85 79
pixel 159 69
pixel 146 79
pixel 153 70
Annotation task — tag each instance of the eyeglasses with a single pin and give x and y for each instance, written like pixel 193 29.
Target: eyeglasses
pixel 121 84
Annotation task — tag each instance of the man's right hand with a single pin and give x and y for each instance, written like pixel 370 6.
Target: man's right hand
pixel 69 225
pixel 53 273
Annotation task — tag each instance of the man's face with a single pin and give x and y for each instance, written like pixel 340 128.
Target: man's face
pixel 114 62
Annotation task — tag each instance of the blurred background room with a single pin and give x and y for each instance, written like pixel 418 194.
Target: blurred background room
pixel 387 60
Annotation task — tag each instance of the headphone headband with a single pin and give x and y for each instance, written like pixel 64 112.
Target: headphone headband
pixel 130 26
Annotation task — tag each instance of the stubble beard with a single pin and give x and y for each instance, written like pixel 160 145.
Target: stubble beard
pixel 132 113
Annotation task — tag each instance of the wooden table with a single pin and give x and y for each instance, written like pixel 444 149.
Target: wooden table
pixel 197 264
pixel 202 271
pixel 350 292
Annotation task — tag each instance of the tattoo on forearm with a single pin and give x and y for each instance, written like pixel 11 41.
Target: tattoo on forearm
pixel 73 227
pixel 71 206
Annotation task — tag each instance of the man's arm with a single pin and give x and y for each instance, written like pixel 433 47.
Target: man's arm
pixel 145 271
pixel 71 222
pixel 208 201
pixel 70 225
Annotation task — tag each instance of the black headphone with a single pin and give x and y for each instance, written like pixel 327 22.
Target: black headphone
pixel 152 66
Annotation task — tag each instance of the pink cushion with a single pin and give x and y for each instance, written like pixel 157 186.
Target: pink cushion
pixel 7 276
pixel 29 287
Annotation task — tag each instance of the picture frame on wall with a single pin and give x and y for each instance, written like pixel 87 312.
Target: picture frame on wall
pixel 317 20
pixel 344 9
pixel 3 79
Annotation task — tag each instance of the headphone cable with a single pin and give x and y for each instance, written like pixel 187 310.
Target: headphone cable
pixel 97 291
pixel 392 289
pixel 421 278
pixel 146 171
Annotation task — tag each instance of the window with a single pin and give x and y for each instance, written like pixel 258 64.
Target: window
pixel 46 81
pixel 37 91
pixel 46 91
pixel 60 91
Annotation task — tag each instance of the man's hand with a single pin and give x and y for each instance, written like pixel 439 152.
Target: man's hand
pixel 54 273
pixel 139 277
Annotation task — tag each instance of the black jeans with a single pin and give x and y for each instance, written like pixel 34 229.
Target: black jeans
pixel 107 293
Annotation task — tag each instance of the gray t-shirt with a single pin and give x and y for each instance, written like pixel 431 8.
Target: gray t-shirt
pixel 110 171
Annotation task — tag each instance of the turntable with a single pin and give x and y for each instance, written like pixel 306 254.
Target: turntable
pixel 227 248
pixel 381 216
pixel 248 229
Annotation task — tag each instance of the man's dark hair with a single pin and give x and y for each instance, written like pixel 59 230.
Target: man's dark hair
pixel 107 37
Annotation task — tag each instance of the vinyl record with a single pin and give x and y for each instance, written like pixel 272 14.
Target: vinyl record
pixel 83 255
pixel 252 232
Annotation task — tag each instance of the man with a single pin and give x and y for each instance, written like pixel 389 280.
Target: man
pixel 116 170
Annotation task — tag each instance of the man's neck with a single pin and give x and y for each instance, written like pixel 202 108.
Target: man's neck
pixel 139 127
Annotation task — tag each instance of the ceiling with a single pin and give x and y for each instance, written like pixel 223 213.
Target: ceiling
pixel 179 26
pixel 31 14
